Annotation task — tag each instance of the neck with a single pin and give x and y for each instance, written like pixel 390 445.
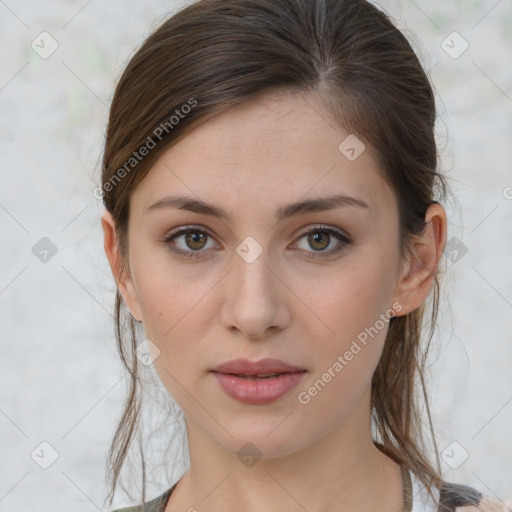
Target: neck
pixel 341 471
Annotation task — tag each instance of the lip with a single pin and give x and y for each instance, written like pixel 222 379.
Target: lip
pixel 246 367
pixel 237 378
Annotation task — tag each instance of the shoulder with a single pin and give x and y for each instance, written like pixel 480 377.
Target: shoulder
pixel 455 497
pixel 486 505
pixel 157 504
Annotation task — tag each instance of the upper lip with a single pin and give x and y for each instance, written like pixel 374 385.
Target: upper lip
pixel 263 366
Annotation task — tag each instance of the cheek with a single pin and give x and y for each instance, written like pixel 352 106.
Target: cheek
pixel 175 317
pixel 349 299
pixel 171 300
pixel 167 291
pixel 353 304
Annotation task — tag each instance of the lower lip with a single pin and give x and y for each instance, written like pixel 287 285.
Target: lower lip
pixel 258 391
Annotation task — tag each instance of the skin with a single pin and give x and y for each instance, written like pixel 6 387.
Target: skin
pixel 205 310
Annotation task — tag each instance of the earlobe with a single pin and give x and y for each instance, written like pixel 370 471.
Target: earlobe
pixel 422 263
pixel 123 280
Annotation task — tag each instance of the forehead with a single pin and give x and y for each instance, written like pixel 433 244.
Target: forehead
pixel 275 149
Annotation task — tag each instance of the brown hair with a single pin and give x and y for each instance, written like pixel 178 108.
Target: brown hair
pixel 215 54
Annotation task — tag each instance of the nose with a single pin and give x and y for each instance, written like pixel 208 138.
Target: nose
pixel 256 298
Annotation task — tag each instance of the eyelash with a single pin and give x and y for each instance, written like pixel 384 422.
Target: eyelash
pixel 194 254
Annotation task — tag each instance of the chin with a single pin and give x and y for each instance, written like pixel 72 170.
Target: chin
pixel 270 439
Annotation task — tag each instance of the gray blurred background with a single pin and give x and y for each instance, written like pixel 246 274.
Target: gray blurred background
pixel 62 383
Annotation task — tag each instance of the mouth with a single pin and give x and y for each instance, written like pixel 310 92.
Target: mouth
pixel 266 376
pixel 257 383
pixel 255 377
pixel 265 368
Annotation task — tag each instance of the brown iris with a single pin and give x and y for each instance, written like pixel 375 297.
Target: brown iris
pixel 319 236
pixel 193 238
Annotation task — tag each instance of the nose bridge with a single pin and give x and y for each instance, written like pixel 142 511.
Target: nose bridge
pixel 254 301
pixel 252 272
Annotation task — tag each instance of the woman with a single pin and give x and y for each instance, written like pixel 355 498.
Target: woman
pixel 273 222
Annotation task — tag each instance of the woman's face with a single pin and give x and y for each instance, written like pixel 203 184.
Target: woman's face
pixel 311 285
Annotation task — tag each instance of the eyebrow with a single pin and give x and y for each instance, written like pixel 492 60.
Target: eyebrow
pixel 301 207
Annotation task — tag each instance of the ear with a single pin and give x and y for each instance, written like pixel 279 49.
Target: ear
pixel 419 270
pixel 123 280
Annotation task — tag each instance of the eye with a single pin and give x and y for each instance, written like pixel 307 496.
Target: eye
pixel 321 237
pixel 194 240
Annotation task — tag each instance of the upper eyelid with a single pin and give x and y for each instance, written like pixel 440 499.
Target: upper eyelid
pixel 180 231
pixel 183 230
pixel 325 227
pixel 197 227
